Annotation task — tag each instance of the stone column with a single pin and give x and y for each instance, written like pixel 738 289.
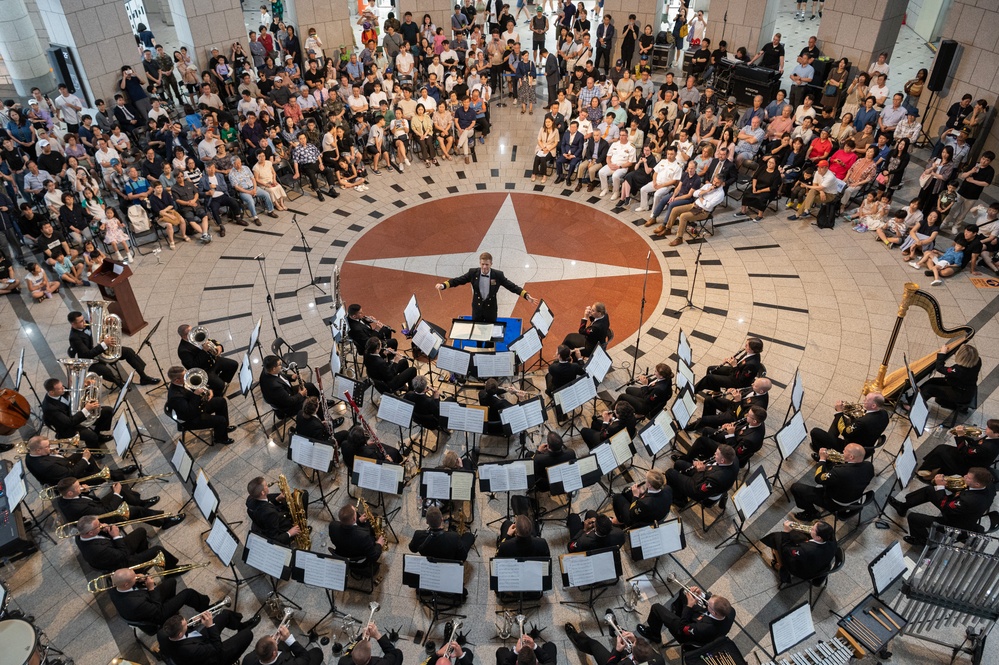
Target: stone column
pixel 202 26
pixel 860 29
pixel 749 23
pixel 330 19
pixel 22 51
pixel 646 13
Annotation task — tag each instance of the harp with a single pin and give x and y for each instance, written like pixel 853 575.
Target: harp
pixel 894 383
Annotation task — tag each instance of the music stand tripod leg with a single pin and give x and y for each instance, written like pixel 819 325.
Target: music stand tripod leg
pixel 237 581
pixel 333 612
pixel 277 594
pixel 324 496
pixel 141 431
pixel 38 523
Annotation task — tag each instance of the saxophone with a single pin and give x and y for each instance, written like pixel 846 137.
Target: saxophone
pixel 377 524
pixel 303 541
pixel 460 521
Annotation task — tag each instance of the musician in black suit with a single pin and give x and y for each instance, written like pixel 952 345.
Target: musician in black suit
pixel 700 481
pixel 387 366
pixel 67 420
pixel 151 603
pixel 458 655
pixel 353 538
pixel 957 385
pixel 73 504
pixel 361 655
pixel 643 503
pixel 593 533
pixel 844 429
pixel 959 508
pixel 746 437
pixel 361 328
pixel 81 345
pixel 970 451
pixel 220 370
pixel 609 423
pixel 438 543
pixel 527 652
pixel 563 371
pixel 49 468
pixel 375 449
pixel 687 621
pixel 550 453
pixel 278 391
pixel 269 651
pixel 642 651
pixel 204 645
pixel 838 484
pixel 269 512
pixel 594 330
pixel 733 404
pixel 485 283
pixel 104 547
pixel 734 373
pixel 426 404
pixel 652 394
pixel 492 398
pixel 799 554
pixel 198 409
pixel 308 423
pixel 517 539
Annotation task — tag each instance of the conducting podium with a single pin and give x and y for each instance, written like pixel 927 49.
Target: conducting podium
pixel 112 278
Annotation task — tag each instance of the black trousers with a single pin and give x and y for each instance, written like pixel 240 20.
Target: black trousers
pixel 215 207
pixel 919 523
pixel 106 372
pixel 635 396
pixel 718 378
pixel 311 172
pixel 601 654
pixel 808 498
pixel 622 509
pixel 945 459
pixel 946 396
pixel 173 600
pixel 669 617
pixel 701 449
pixel 825 439
pixel 89 435
pixel 233 648
pixel 403 376
pixel 506 656
pixel 214 416
pixel 603 55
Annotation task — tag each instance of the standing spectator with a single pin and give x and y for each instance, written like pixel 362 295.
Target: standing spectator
pixel 606 34
pixel 974 182
pixel 69 106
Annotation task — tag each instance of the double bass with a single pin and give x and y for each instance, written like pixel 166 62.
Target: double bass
pixel 14 411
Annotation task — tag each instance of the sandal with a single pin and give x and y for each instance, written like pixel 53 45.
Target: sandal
pixel 173 246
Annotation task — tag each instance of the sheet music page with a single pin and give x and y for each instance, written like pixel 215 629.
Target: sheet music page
pixel 321 571
pixel 599 364
pixel 603 566
pixel 461 330
pixel 534 411
pixel 466 419
pixel 683 348
pixel 412 312
pixel 496 474
pixel 621 445
pixel 605 457
pixel 579 569
pixel 587 465
pixel 542 319
pixel 527 345
pixel 442 577
pixel 555 473
pixel 517 473
pixel 413 564
pixel 368 474
pixel 390 478
pixel 426 340
pixel 791 435
pixel 245 374
pixel 752 495
pixel 204 497
pixel 341 385
pixel 14 481
pixel 499 364
pixel 793 628
pixel 254 337
pixel 577 393
pixel 515 417
pixel 310 454
pixel 221 542
pixel 483 332
pixel 684 376
pixel 450 359
pixel 654 436
pixel 178 459
pixel 797 391
pixel 650 540
pixel 507 572
pixel 438 484
pixel 122 436
pixel 905 463
pixel 265 557
pixel 557 399
pixel 681 411
pixel 919 413
pixel 572 479
pixel 462 485
pixel 396 411
pixel 888 566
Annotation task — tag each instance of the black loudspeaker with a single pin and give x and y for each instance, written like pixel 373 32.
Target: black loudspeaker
pixel 942 65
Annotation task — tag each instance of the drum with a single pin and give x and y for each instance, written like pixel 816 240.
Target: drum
pixel 20 643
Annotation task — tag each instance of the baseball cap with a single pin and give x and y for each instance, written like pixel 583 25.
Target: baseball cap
pixel 824 163
pixel 913 112
pixel 541 9
pixel 33 102
pixel 115 162
pixel 620 62
pixel 731 100
pixel 289 57
pixel 43 143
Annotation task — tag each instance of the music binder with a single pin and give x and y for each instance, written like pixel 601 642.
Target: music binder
pixel 429 574
pixel 591 567
pixel 270 558
pixel 573 475
pixel 447 484
pixel 318 569
pixel 205 496
pixel 655 540
pixel 311 453
pixel 507 476
pixel 378 475
pixel 657 434
pixel 520 574
pixel 524 415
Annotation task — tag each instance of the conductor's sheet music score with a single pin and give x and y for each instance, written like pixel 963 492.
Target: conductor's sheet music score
pixel 321 571
pixel 266 557
pixel 310 454
pixel 581 569
pixel 527 345
pixel 542 318
pixel 221 541
pixel 512 575
pixel 498 364
pixel 396 411
pixel 450 359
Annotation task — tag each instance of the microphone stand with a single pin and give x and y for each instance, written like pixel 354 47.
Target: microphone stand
pixel 693 282
pixel 270 300
pixel 308 262
pixel 641 319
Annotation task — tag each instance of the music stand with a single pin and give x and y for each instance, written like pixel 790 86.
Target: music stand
pixel 612 455
pixel 683 350
pixel 506 476
pixel 138 427
pixel 411 314
pixel 572 396
pixel 521 417
pixel 683 408
pixel 520 576
pixel 16 488
pixel 397 411
pixel 570 477
pixel 887 568
pixel 273 560
pixel 152 351
pixel 905 466
pixel 453 360
pixel 791 628
pixel 788 438
pixel 246 388
pixel 223 542
pixel 594 572
pixel 525 347
pixel 658 435
pixel 326 571
pixel 382 478
pixel 684 376
pixel 308 263
pixel 317 455
pixel 653 541
pixel 748 499
pixel 448 485
pixel 468 419
pixel 442 579
pixel 182 462
pixel 797 394
pixel 206 498
pixel 21 374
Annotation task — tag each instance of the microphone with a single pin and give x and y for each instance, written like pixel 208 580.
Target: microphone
pixel 259 257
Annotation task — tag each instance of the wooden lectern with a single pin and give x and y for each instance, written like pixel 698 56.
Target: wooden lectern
pixel 112 278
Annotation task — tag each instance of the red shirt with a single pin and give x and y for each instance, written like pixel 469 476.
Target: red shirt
pixel 841 161
pixel 819 148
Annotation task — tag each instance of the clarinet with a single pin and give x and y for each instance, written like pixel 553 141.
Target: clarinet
pixel 367 429
pixel 326 418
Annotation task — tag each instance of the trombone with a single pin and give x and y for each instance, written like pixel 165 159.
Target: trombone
pixel 100 584
pixel 70 445
pixel 701 598
pixel 103 583
pixel 68 530
pixel 50 493
pixel 120 511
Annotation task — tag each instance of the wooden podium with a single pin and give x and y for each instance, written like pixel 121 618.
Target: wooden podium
pixel 112 278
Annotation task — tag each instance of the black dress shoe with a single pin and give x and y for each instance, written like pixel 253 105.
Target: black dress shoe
pixel 131 468
pixel 336 422
pixel 230 428
pixel 5 447
pixel 333 193
pixel 913 541
pixel 251 623
pixel 319 195
pixel 331 403
pixel 221 231
pixel 148 381
pixel 646 632
pixel 173 521
pixel 225 442
pixel 572 633
pixel 899 507
pixel 150 502
pixel 806 516
pixel 815 456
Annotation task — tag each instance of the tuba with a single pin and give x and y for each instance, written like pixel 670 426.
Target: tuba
pixel 82 385
pixel 303 541
pixel 199 337
pixel 105 324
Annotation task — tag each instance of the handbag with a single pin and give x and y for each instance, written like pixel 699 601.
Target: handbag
pixel 684 30
pixel 882 179
pixel 924 179
pixel 830 90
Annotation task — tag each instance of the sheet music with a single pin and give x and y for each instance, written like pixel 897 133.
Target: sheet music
pixel 438 484
pixel 621 445
pixel 905 463
pixel 512 575
pixel 378 477
pixel 797 391
pixel 204 496
pixel 581 569
pixel 122 436
pixel 462 485
pixel 527 345
pixel 461 329
pixel 568 474
pixel 919 414
pixel 321 571
pixel 499 364
pixel 463 418
pixel 506 477
pixel 684 376
pixel 683 409
pixel 658 434
pixel 792 628
pixel 498 330
pixel 683 349
pixel 245 374
pixel 450 359
pixel 605 457
pixel 515 417
pixel 14 482
pixel 412 312
pixel 341 385
pixel 542 318
pixel 268 558
pixel 576 394
pixel 182 462
pixel 396 411
pixel 338 324
pixel 598 364
pixel 222 542
pixel 791 435
pixel 752 494
pixel 535 411
pixel 657 541
pixel 587 465
pixel 254 337
pixel 413 564
pixel 20 371
pixel 442 577
pixel 310 454
pixel 482 332
pixel 888 567
pixel 426 340
pixel 123 392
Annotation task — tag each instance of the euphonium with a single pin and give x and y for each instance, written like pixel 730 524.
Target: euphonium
pixel 299 517
pixel 955 483
pixel 105 324
pixel 196 379
pixel 973 432
pixel 800 526
pixel 49 493
pixel 214 610
pixel 834 456
pixel 82 385
pixel 377 524
pixel 198 336
pixel 103 583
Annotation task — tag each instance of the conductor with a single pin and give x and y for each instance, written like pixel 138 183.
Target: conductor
pixel 485 284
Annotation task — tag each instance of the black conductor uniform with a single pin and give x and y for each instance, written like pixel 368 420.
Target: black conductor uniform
pixel 220 370
pixel 720 377
pixel 956 460
pixel 649 508
pixel 205 646
pixel 140 605
pixel 67 423
pixel 716 479
pixel 484 290
pixel 648 400
pixel 746 441
pixel 81 345
pixel 960 509
pixel 197 413
pixel 864 431
pixel 442 544
pixel 839 485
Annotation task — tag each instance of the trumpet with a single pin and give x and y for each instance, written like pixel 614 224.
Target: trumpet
pixel 363 634
pixel 198 336
pixel 503 632
pixel 521 394
pixel 955 483
pixel 214 610
pixel 701 598
pixel 457 625
pixel 609 618
pixel 968 430
pixel 103 583
pixel 799 526
pixel 100 584
pixel 284 621
pixel 50 493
